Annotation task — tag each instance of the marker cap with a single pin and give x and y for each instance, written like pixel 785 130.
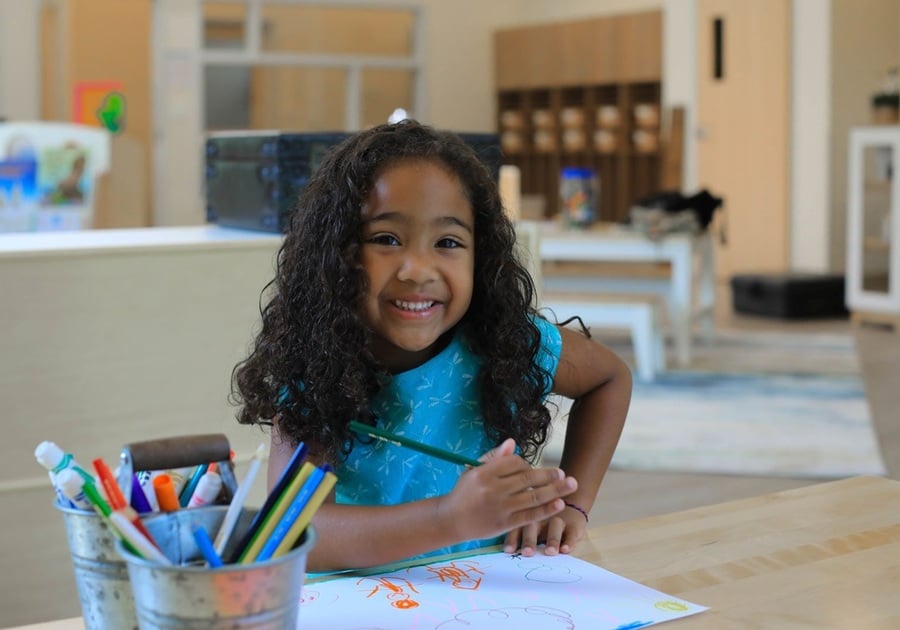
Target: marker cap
pixel 72 485
pixel 49 455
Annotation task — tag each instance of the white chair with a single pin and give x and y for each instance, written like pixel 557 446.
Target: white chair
pixel 638 314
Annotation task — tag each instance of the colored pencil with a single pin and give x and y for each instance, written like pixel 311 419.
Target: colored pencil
pixel 286 476
pixel 306 515
pixel 278 509
pixel 399 440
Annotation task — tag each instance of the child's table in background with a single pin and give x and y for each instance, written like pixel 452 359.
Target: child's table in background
pixel 823 556
pixel 691 280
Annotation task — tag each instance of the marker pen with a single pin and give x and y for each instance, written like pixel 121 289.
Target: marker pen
pixel 104 511
pixel 129 513
pixel 165 493
pixel 54 459
pixel 130 533
pixel 205 546
pixel 194 478
pixel 138 499
pixel 110 485
pixel 207 490
pixel 72 486
pixel 145 477
pixel 179 477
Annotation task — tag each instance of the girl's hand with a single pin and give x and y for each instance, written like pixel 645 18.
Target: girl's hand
pixel 503 494
pixel 559 533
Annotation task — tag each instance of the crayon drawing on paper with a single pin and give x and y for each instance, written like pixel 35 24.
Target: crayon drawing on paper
pixel 490 591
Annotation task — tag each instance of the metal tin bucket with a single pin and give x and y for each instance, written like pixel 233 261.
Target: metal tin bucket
pixel 263 595
pixel 100 573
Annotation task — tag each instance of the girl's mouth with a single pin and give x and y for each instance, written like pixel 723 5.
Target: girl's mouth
pixel 413 307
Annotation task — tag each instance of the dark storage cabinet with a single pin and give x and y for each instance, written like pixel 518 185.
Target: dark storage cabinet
pixel 789 295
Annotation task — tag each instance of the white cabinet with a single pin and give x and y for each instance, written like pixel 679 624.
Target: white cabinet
pixel 873 224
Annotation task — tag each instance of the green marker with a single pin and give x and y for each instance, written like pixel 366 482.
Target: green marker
pixel 399 440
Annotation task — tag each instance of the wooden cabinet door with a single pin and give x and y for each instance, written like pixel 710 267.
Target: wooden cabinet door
pixel 744 128
pixel 638 46
pixel 527 57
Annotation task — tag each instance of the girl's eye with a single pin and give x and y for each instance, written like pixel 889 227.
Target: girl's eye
pixel 449 243
pixel 383 239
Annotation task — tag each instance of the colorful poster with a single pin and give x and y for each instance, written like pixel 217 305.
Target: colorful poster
pixel 47 174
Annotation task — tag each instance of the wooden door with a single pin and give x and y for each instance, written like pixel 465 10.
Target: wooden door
pixel 93 42
pixel 743 128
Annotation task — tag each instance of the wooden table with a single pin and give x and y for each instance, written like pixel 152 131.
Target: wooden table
pixel 823 556
pixel 691 281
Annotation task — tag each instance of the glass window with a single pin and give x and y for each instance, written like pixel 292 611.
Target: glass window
pixel 302 66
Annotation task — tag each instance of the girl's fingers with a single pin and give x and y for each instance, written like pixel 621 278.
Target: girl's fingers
pixel 521 518
pixel 511 542
pixel 553 542
pixel 530 538
pixel 507 447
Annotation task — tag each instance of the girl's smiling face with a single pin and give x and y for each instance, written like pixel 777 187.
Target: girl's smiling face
pixel 418 252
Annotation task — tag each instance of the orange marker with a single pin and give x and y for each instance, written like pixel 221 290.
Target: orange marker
pixel 165 493
pixel 113 491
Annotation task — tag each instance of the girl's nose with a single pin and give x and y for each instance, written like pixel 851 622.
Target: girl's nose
pixel 417 267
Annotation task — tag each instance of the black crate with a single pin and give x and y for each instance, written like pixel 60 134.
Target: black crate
pixel 789 295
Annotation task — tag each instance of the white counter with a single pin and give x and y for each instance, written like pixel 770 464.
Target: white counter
pixel 109 337
pixel 192 237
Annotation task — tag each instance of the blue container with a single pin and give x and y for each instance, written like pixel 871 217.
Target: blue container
pixel 578 193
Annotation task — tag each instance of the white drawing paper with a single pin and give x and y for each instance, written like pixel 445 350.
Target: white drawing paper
pixel 491 591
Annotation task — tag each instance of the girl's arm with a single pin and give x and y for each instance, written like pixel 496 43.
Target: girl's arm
pixel 502 494
pixel 600 384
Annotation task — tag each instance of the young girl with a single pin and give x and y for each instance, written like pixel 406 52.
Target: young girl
pixel 398 301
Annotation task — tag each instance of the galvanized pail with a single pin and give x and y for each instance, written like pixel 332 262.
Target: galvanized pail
pixel 100 573
pixel 263 595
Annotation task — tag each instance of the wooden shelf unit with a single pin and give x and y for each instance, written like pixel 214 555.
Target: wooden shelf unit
pixel 873 263
pixel 552 83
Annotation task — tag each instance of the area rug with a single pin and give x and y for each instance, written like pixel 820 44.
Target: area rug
pixel 782 421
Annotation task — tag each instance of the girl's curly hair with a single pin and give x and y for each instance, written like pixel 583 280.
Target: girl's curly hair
pixel 310 366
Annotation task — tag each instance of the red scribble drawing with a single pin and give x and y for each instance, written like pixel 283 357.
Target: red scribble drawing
pixel 396 594
pixel 460 577
pixel 311 597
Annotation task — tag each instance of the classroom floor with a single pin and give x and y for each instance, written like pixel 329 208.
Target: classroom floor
pixel 629 495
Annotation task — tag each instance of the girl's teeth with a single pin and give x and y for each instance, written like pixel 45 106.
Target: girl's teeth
pixel 414 306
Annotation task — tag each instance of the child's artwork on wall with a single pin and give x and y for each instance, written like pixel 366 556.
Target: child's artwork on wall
pixel 490 591
pixel 99 104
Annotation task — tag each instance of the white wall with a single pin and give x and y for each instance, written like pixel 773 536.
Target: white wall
pixel 20 64
pixel 810 223
pixel 178 111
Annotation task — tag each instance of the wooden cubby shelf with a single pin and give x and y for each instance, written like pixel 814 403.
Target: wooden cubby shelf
pixel 591 99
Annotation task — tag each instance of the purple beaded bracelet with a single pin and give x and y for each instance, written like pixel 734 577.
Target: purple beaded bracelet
pixel 575 507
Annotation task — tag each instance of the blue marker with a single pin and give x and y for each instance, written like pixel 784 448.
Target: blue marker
pixel 205 545
pixel 290 515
